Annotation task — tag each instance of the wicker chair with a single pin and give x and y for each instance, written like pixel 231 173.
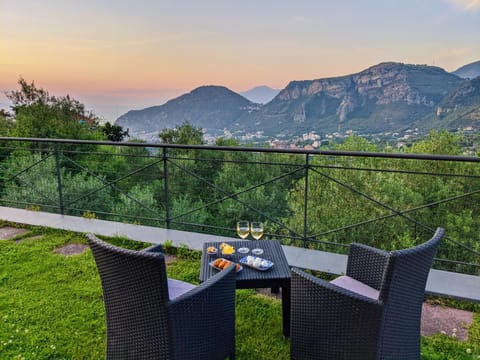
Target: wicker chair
pixel 151 317
pixel 373 312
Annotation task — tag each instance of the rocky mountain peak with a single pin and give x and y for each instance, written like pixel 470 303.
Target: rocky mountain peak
pixel 389 96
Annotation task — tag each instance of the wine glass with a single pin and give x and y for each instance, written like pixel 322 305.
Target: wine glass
pixel 256 229
pixel 243 229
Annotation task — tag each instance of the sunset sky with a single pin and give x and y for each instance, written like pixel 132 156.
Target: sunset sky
pixel 118 55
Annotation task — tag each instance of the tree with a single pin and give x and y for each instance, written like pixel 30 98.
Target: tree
pixel 6 123
pixel 437 142
pixel 183 134
pixel 39 114
pixel 33 180
pixel 227 142
pixel 114 132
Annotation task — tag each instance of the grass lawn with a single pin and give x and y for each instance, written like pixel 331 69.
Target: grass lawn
pixel 51 305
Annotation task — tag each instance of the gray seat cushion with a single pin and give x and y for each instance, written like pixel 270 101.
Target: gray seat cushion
pixel 356 286
pixel 177 288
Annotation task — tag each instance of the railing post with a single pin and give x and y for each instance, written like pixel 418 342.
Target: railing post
pixel 305 201
pixel 167 192
pixel 59 180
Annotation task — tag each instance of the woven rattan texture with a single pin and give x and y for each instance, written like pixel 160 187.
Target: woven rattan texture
pixel 329 322
pixel 142 323
pixel 272 251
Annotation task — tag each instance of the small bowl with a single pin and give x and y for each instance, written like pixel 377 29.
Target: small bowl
pixel 212 250
pixel 244 250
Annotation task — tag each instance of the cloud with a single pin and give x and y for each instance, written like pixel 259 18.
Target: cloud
pixel 467 5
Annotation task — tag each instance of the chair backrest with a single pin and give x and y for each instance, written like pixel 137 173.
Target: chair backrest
pixel 135 292
pixel 402 292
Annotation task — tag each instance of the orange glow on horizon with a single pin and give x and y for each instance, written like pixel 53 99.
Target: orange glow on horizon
pixel 132 49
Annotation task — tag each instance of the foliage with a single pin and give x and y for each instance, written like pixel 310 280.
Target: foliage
pixel 39 186
pixel 139 203
pixel 440 143
pixel 187 211
pixel 183 134
pixel 41 115
pixel 6 123
pixel 227 142
pixel 114 132
pixel 379 202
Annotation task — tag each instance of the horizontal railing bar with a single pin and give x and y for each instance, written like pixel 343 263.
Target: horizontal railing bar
pixel 456 262
pixel 254 149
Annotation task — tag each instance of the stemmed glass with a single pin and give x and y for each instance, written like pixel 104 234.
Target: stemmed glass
pixel 243 229
pixel 256 229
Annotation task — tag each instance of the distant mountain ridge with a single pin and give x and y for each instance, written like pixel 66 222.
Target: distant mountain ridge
pixel 210 107
pixel 387 97
pixel 260 94
pixel 460 108
pixel 383 97
pixel 469 71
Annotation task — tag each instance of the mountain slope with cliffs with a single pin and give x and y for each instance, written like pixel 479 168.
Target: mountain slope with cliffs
pixel 385 97
pixel 388 97
pixel 210 107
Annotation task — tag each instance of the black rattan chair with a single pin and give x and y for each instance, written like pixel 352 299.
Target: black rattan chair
pixel 151 317
pixel 373 312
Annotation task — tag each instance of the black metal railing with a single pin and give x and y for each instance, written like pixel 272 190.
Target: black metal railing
pixel 316 199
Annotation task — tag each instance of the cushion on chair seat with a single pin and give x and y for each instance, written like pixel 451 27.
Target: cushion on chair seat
pixel 356 286
pixel 177 288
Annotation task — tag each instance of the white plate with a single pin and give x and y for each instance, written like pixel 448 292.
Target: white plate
pixel 267 263
pixel 243 250
pixel 211 263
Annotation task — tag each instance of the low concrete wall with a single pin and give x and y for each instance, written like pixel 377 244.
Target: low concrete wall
pixel 441 283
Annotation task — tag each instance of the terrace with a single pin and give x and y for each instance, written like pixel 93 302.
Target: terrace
pixel 315 202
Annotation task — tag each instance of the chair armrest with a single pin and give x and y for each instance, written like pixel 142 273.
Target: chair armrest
pixel 157 248
pixel 329 320
pixel 367 264
pixel 205 317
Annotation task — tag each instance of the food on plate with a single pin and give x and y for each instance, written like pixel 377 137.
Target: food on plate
pixel 217 262
pixel 228 249
pixel 211 250
pixel 257 262
pixel 222 264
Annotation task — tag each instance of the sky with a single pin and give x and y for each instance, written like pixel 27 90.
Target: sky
pixel 119 55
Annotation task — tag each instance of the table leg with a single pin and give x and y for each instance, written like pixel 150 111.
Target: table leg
pixel 286 309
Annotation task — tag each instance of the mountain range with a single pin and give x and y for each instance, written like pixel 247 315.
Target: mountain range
pixel 469 71
pixel 387 97
pixel 260 94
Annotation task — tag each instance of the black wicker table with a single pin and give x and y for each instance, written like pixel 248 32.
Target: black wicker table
pixel 278 276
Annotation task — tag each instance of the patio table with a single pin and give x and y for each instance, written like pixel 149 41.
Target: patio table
pixel 278 276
